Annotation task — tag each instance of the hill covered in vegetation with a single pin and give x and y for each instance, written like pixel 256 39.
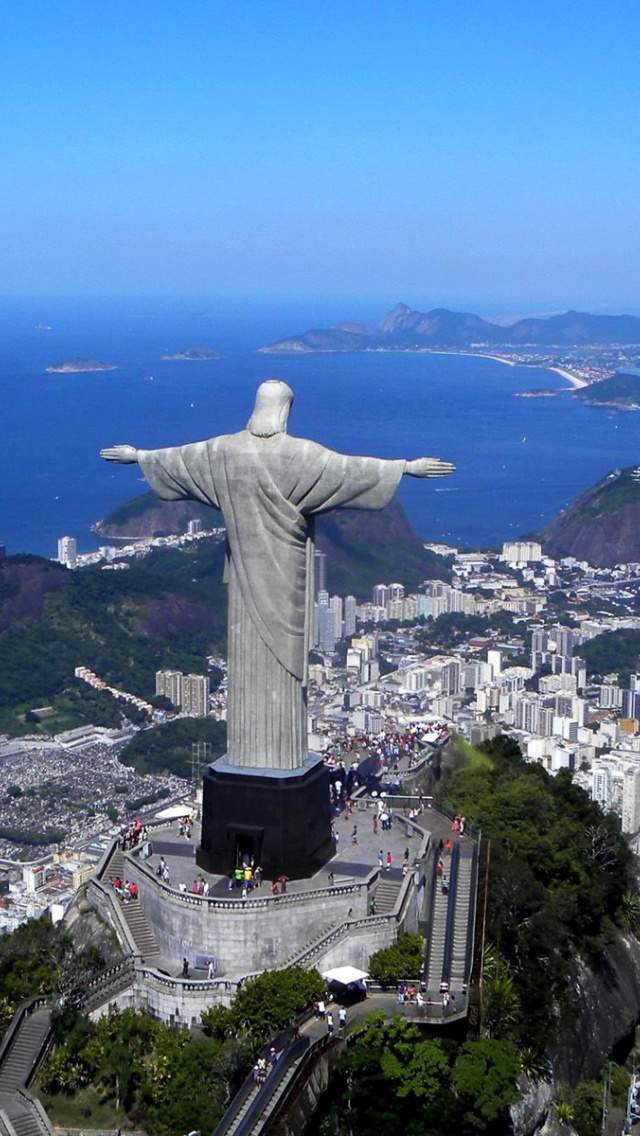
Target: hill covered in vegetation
pixel 168 610
pixel 363 548
pixel 561 894
pixel 622 389
pixel 602 526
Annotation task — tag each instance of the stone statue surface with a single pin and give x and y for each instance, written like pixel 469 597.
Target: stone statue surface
pixel 269 486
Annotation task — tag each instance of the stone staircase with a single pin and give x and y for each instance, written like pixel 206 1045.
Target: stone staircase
pixel 459 948
pixel 27 1045
pixel 437 939
pixel 386 896
pixel 132 913
pixel 24 1114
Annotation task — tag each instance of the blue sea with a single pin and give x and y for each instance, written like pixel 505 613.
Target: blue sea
pixel 519 461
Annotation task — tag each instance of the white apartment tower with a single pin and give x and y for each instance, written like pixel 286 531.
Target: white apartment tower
pixel 169 683
pixel 350 615
pixel 67 551
pixel 195 695
pixel 335 603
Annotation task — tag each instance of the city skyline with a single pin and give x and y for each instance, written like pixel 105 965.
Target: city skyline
pixel 471 156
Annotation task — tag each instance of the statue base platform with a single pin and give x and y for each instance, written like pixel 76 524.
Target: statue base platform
pixel 280 818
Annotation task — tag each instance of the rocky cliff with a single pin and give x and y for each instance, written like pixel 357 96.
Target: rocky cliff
pixel 602 526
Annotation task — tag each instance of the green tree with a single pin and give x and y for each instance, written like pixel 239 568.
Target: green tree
pixel 400 961
pixel 484 1078
pixel 266 1004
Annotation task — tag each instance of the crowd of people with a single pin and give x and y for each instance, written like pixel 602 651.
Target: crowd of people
pixel 126 891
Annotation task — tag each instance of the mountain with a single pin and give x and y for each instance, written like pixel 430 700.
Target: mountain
pixel 363 548
pixel 603 525
pixel 404 329
pixel 621 389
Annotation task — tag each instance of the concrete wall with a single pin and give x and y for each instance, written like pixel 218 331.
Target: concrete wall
pixel 264 933
pixel 172 1001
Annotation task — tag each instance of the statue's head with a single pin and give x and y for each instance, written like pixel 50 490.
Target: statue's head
pixel 271 409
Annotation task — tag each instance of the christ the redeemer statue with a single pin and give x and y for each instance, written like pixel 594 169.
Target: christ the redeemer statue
pixel 269 487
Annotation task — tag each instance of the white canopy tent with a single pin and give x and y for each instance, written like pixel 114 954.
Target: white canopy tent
pixel 345 975
pixel 172 812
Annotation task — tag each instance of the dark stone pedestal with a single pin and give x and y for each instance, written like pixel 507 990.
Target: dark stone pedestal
pixel 280 817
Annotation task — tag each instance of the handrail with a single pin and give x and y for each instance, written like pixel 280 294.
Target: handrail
pixel 36 1109
pixel 24 1011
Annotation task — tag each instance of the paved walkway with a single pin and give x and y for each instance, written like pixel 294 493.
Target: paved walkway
pixel 352 862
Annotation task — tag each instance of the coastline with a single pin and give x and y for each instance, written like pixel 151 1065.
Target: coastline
pixel 576 382
pixel 573 380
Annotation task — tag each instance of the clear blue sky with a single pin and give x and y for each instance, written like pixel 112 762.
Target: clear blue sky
pixel 482 153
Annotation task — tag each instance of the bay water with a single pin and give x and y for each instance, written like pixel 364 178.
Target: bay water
pixel 519 461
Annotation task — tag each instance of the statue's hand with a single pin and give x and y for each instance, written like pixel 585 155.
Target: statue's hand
pixel 124 455
pixel 429 467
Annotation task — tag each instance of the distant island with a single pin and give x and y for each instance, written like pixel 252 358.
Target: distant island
pixel 70 366
pixel 406 330
pixel 541 393
pixel 621 390
pixel 192 355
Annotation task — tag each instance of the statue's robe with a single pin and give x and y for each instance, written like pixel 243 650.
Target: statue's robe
pixel 269 490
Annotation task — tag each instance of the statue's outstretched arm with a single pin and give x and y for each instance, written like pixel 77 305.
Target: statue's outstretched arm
pixel 428 467
pixel 124 455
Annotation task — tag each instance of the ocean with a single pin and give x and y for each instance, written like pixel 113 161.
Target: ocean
pixel 519 461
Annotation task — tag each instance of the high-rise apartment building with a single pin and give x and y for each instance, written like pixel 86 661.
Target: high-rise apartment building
pixel 325 623
pixel 521 551
pixel 195 695
pixel 336 605
pixel 169 683
pixel 350 615
pixel 319 572
pixel 67 551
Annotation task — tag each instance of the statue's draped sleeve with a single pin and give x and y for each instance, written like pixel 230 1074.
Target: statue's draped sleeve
pixel 182 472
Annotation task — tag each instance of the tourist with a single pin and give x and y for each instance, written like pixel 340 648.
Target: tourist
pixel 211 969
pixel 321 1009
pixel 342 1019
pixel 273 1056
pixel 185 968
pixel 275 890
pixel 330 879
pixel 257 876
pixel 329 1023
pixel 354 834
pixel 389 861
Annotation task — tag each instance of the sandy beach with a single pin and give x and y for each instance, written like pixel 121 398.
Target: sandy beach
pixel 574 380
